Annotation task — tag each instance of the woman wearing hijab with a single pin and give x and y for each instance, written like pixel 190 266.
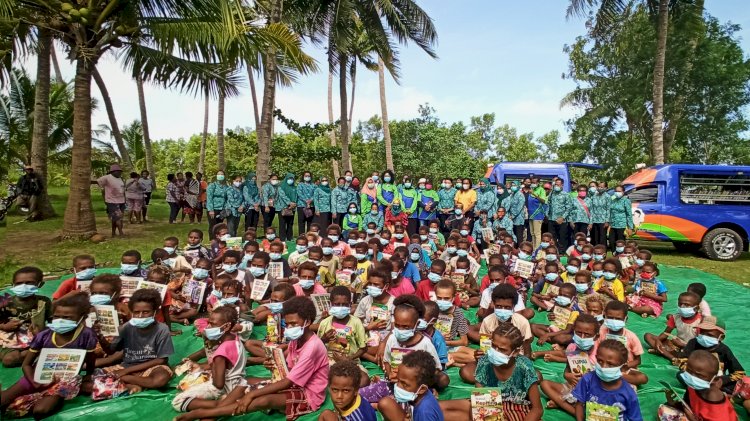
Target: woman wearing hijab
pixel 620 217
pixel 340 199
pixel 235 205
pixel 286 205
pixel 268 196
pixel 446 204
pixel 387 191
pixel 216 200
pixel 486 198
pixel 322 205
pixel 368 195
pixel 517 210
pixel 372 215
pixel 251 194
pixel 305 209
pixel 428 202
pixel 419 258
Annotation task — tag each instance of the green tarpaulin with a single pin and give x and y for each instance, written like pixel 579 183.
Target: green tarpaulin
pixel 728 301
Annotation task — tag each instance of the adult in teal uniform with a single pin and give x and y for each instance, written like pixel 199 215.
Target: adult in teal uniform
pixel 269 193
pixel 410 202
pixel 387 190
pixel 340 199
pixel 620 217
pixel 305 208
pixel 517 210
pixel 580 213
pixel 235 205
pixel 486 198
pixel 446 203
pixel 557 214
pixel 428 202
pixel 286 205
pixel 216 200
pixel 251 195
pixel 368 194
pixel 322 204
pixel 600 202
pixel 375 216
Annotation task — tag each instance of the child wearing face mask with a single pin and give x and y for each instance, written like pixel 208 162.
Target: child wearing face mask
pixel 412 397
pixel 226 360
pixel 496 276
pixel 276 255
pixel 67 330
pixel 606 387
pixel 615 317
pixel 230 265
pixel 344 335
pixel 685 322
pixel 464 249
pixel 545 289
pixel 219 243
pixel 213 300
pixel 105 291
pixel 248 252
pixel 307 283
pixel 396 216
pixel 609 286
pixel 343 386
pixel 130 264
pixel 270 314
pixel 340 248
pixel 299 255
pixel 428 245
pixel 426 325
pixel 561 331
pixel 84 267
pixel 650 293
pixel 162 274
pixel 185 308
pixel 194 250
pixel 426 287
pixel 375 309
pixel 400 285
pixel 175 261
pixel 265 244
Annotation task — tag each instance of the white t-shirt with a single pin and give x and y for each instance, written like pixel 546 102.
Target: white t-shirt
pixel 424 345
pixel 486 300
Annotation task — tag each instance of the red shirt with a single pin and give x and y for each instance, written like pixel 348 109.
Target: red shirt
pixel 65 288
pixel 486 282
pixel 426 292
pixel 710 411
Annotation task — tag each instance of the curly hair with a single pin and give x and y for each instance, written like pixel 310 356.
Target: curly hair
pixel 341 291
pixel 150 296
pixel 108 279
pixel 425 365
pixel 616 346
pixel 408 302
pixel 508 330
pixel 78 300
pixel 38 274
pixel 301 306
pixel 346 368
pixel 446 284
pixel 228 313
pixel 287 289
pixel 235 254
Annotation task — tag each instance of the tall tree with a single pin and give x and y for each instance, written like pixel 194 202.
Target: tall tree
pixel 204 137
pixel 113 126
pixel 384 116
pixel 146 132
pixel 332 133
pixel 40 138
pixel 220 134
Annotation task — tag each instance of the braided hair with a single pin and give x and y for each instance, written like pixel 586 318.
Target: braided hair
pixel 508 330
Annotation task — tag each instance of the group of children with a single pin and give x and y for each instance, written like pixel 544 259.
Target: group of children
pixel 339 299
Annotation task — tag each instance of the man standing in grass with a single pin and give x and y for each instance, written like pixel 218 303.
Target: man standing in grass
pixel 114 196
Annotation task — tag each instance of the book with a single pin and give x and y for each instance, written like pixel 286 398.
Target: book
pixel 552 290
pixel 485 342
pixel 488 235
pixel 129 285
pixel 273 328
pixel 599 412
pixel 648 286
pixel 280 369
pixel 234 243
pixel 523 268
pixel 161 288
pixel 443 325
pixel 276 270
pixel 83 285
pixel 397 356
pixel 379 312
pixel 427 248
pixel 397 245
pixel 58 363
pixel 562 315
pixel 625 261
pixel 474 267
pixel 194 291
pixel 322 302
pixel 490 250
pixel 260 286
pixel 344 277
pixel 192 256
pixel 458 279
pixel 107 317
pixel 486 404
pixel 579 362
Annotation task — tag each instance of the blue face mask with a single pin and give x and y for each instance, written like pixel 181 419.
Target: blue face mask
pixel 503 314
pixel 62 326
pixel 301 249
pixel 229 268
pixel 340 312
pixel 551 277
pixel 707 341
pixel 414 257
pixel 216 293
pixel 334 238
pixel 462 253
pixel 229 301
pixel 599 318
pixel 257 272
pixel 141 322
pixel 24 290
pixel 294 333
pixel 464 233
pixel 458 212
pixel 640 262
pixel 434 277
pixel 275 307
pixel 86 274
pixel 399 235
pixel 352 241
pixel 598 257
pixel 585 257
pixel 581 288
pixel 306 283
pixel 213 333
pixel 524 256
pixel 384 241
pixel 270 236
pixel 609 276
pixel 328 251
pixel 695 382
pixel 422 324
pixel 169 250
pixel 562 301
pixel 100 299
pixel 544 244
pixel 128 268
pixel 370 231
pixel 451 250
pixel 374 292
pixel 352 210
pixel 572 269
pixel 619 249
pixel 497 358
pixel 374 212
pixel 403 335
pixel 608 374
pixel 597 273
pixel 169 262
pixel 686 312
pixel 274 256
pixel 423 237
pixel 200 273
pixel 444 305
pixel 550 257
pixel 360 256
pixel 614 325
pixel 404 396
pixel 583 343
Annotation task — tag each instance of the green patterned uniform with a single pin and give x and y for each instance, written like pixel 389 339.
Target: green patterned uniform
pixel 578 212
pixel 559 206
pixel 600 203
pixel 620 213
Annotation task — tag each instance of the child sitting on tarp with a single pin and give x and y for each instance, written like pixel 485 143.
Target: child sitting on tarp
pixel 685 322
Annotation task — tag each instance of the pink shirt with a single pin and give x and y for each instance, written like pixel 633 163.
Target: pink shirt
pixel 632 343
pixel 405 287
pixel 705 309
pixel 308 369
pixel 342 249
pixel 316 289
pixel 114 188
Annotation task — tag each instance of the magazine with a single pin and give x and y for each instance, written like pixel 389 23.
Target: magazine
pixel 107 317
pixel 258 291
pixel 322 302
pixel 523 268
pixel 579 362
pixel 486 404
pixel 234 243
pixel 443 325
pixel 129 285
pixel 194 291
pixel 161 288
pixel 58 363
pixel 599 412
pixel 562 315
pixel 488 235
pixel 280 370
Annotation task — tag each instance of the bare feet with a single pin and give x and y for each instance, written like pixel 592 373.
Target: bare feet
pixel 133 389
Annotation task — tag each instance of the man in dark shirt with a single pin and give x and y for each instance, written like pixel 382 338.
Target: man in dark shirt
pixel 29 188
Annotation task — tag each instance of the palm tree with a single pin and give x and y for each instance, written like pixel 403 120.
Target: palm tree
pixel 220 134
pixel 607 13
pixel 384 117
pixel 39 139
pixel 132 138
pixel 204 138
pixel 144 122
pixel 114 127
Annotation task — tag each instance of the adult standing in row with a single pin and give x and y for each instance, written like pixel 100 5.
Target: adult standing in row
pixel 134 197
pixel 322 204
pixel 286 205
pixel 446 202
pixel 557 214
pixel 580 211
pixel 148 185
pixel 428 202
pixel 620 217
pixel 340 199
pixel 201 196
pixel 467 197
pixel 216 200
pixel 486 198
pixel 268 196
pixel 305 208
pixel 600 202
pixel 536 200
pixel 174 197
pixel 251 196
pixel 409 203
pixel 387 190
pixel 235 205
pixel 517 210
pixel 192 190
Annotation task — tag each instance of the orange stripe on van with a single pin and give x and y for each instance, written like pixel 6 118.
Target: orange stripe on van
pixel 645 176
pixel 692 231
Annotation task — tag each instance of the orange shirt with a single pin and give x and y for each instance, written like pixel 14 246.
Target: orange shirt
pixel 202 194
pixel 467 198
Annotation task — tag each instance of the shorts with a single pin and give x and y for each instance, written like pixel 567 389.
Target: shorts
pixel 145 373
pixel 135 204
pixel 115 210
pixel 146 198
pixel 24 404
pixel 296 401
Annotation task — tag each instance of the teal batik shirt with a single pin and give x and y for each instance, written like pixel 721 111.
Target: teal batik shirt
pixel 340 200
pixel 486 200
pixel 559 206
pixel 216 197
pixel 517 207
pixel 251 198
pixel 353 197
pixel 235 201
pixel 282 201
pixel 305 192
pixel 600 208
pixel 369 217
pixel 447 199
pixel 268 193
pixel 322 200
pixel 505 224
pixel 578 209
pixel 620 213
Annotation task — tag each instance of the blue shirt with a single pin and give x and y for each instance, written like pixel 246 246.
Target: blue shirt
pixel 427 409
pixel 589 389
pixel 440 346
pixel 363 412
pixel 411 271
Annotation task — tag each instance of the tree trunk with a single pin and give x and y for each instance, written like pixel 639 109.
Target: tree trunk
pixel 40 136
pixel 79 220
pixel 204 139
pixel 254 96
pixel 657 131
pixel 353 76
pixel 124 154
pixel 384 117
pixel 146 135
pixel 263 160
pixel 56 65
pixel 332 133
pixel 220 134
pixel 343 60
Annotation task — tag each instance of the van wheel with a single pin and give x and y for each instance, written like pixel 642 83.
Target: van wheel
pixel 723 244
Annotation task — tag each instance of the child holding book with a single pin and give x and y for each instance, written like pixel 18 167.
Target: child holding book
pixel 685 322
pixel 412 398
pixel 610 286
pixel 375 310
pixel 650 293
pixel 344 379
pixel 270 315
pixel 344 335
pixel 562 317
pixel 615 317
pixel 451 321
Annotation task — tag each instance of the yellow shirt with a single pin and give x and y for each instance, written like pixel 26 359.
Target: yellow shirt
pixel 615 285
pixel 362 269
pixel 467 198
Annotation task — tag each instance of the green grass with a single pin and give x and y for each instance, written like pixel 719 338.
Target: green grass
pixel 25 243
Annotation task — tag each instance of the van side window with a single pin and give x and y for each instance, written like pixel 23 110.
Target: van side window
pixel 644 194
pixel 715 189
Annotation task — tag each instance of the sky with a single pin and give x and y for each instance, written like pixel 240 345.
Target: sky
pixel 495 56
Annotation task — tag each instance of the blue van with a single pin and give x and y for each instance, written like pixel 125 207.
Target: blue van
pixel 510 171
pixel 696 207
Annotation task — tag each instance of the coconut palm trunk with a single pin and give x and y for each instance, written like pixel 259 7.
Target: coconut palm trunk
pixel 55 64
pixel 79 221
pixel 146 135
pixel 657 130
pixel 253 95
pixel 204 138
pixel 384 117
pixel 39 139
pixel 114 127
pixel 343 61
pixel 220 134
pixel 265 132
pixel 332 133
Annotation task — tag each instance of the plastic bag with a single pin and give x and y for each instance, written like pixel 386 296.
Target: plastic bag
pixel 192 379
pixel 107 386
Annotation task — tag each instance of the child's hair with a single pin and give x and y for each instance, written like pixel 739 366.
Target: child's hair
pixel 232 283
pixel 158 255
pixel 705 357
pixel 38 275
pixel 346 368
pixel 315 249
pixel 378 274
pixel 77 300
pixel 334 227
pixel 440 264
pixel 161 270
pixel 616 262
pixel 308 266
pixel 508 330
pixel 219 227
pixel 526 244
pixel 108 279
pixel 505 292
pixel 132 253
pixel 301 306
pixel 462 241
pixel 425 365
pixel 83 257
pixel 150 296
pixel 398 262
pixel 430 307
pixel 594 299
pixel 263 256
pixel 648 254
pixel 235 254
pixel 287 289
pixel 224 277
pixel 617 306
pixel 408 302
pixel 251 243
pixel 348 259
pixel 584 273
pixel 315 225
pixel 586 318
pixel 446 284
pixel 229 313
pixel 196 231
pixel 341 291
pixel 464 260
pixel 172 240
pixel 567 286
pixel 617 346
pixel 653 266
pixel 551 265
pixel 698 288
pixel 690 294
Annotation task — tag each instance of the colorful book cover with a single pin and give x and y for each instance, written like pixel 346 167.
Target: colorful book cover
pixel 443 325
pixel 258 291
pixel 562 315
pixel 344 277
pixel 58 363
pixel 129 285
pixel 194 291
pixel 280 369
pixel 550 289
pixel 598 412
pixel 83 285
pixel 488 235
pixel 579 362
pixel 161 288
pixel 397 356
pixel 234 243
pixel 106 316
pixel 276 270
pixel 648 286
pixel 486 405
pixel 273 328
pixel 523 268
pixel 485 342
